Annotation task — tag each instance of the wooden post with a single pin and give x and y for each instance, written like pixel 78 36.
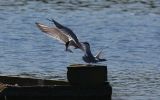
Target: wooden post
pixel 86 82
pixel 87 75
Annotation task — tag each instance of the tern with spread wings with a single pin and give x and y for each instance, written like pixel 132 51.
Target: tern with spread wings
pixel 66 36
pixel 61 33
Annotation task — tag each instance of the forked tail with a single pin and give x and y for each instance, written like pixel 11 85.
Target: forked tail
pixel 97 56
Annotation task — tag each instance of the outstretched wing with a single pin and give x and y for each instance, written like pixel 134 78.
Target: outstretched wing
pixel 53 32
pixel 66 31
pixel 97 56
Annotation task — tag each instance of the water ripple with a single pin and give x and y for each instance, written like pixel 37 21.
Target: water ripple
pixel 127 29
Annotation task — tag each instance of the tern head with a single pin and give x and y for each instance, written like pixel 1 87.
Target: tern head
pixel 86 44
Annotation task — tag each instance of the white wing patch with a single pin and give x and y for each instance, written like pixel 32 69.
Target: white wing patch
pixel 54 33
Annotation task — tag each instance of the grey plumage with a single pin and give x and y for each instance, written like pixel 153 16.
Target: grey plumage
pixel 67 37
pixel 58 33
pixel 67 31
pixel 88 56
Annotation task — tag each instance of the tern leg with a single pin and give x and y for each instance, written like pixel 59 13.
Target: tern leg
pixel 66 45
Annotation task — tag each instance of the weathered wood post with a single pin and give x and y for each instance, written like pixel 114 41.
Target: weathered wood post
pixel 90 77
pixel 87 75
pixel 85 82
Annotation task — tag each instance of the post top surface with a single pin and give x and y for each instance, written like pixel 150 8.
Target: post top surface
pixel 86 65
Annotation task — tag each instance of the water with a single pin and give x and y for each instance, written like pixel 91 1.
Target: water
pixel 129 30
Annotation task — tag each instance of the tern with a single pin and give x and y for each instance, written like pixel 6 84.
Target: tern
pixel 88 56
pixel 67 37
pixel 61 33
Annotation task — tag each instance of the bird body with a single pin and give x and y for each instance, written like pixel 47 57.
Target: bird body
pixel 88 56
pixel 61 33
pixel 67 37
pixel 67 31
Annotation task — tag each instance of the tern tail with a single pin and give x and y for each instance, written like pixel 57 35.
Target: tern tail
pixel 98 56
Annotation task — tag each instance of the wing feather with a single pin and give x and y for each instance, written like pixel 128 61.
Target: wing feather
pixel 53 32
pixel 98 54
pixel 67 31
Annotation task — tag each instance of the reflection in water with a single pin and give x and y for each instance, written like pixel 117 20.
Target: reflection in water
pixel 128 29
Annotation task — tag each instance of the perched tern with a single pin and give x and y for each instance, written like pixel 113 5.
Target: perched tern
pixel 88 56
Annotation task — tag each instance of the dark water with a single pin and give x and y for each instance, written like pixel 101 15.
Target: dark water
pixel 128 29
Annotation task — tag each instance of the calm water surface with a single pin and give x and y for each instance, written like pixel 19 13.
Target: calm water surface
pixel 129 30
